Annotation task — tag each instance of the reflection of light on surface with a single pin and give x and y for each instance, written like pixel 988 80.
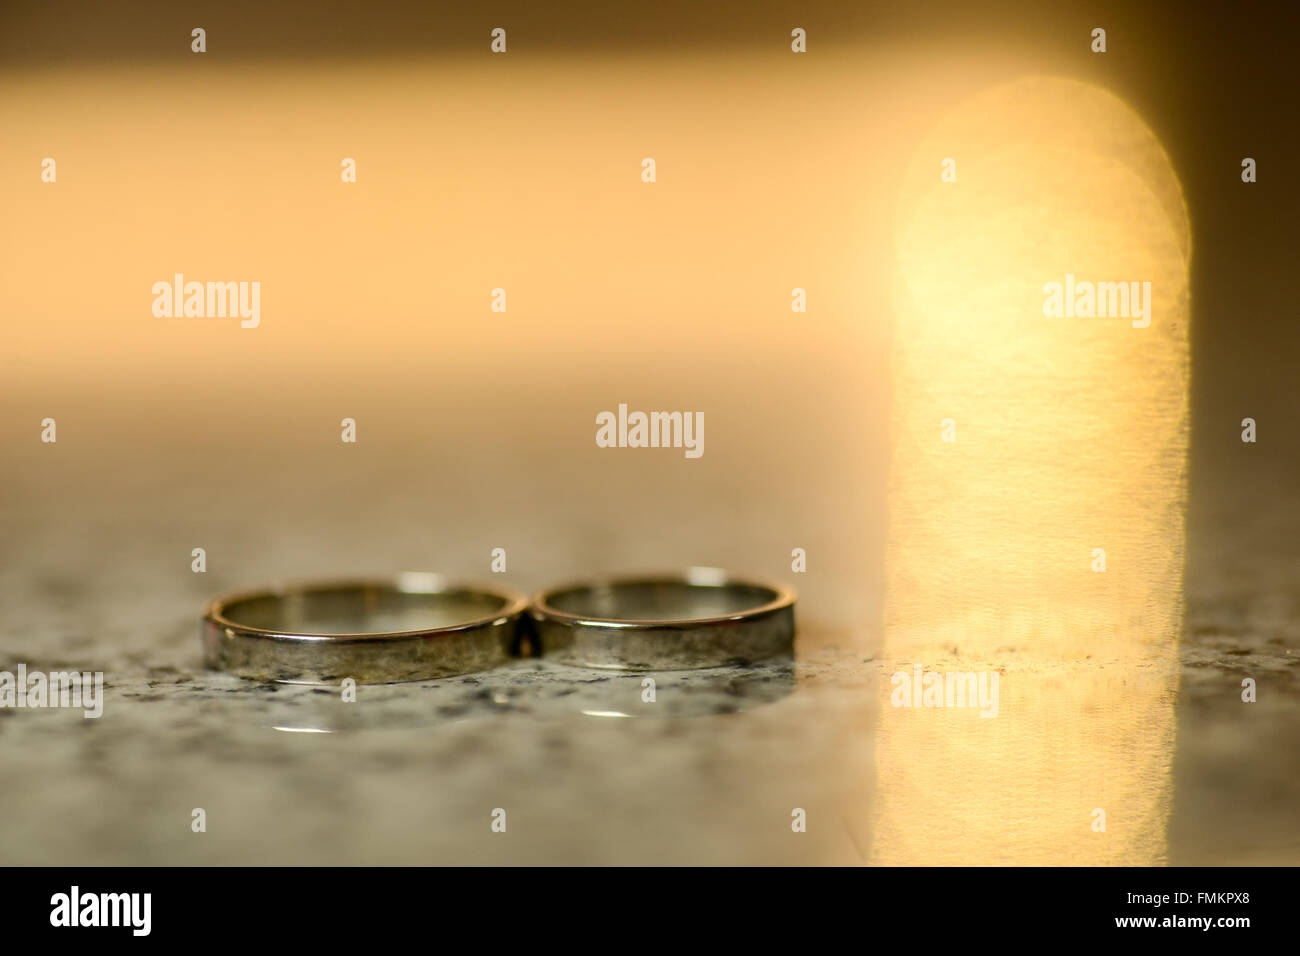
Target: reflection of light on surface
pixel 604 713
pixel 305 730
pixel 1071 434
pixel 420 582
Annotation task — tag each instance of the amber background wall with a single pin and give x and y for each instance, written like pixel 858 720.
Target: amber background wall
pixel 522 171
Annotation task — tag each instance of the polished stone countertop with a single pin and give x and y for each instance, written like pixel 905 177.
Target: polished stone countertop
pixel 586 771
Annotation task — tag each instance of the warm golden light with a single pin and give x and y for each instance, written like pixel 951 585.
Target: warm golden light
pixel 1036 495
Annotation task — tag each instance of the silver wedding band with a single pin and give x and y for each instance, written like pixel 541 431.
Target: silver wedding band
pixel 701 618
pixel 415 626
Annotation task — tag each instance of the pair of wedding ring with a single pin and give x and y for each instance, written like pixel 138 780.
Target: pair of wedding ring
pixel 419 626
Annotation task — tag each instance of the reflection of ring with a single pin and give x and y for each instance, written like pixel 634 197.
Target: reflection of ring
pixel 413 627
pixel 698 619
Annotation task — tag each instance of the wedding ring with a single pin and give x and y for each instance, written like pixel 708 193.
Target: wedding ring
pixel 701 618
pixel 413 627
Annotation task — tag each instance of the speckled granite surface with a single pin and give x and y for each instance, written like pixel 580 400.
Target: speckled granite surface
pixel 586 771
pixel 410 774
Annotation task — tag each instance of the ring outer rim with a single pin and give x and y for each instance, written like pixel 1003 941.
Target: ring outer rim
pixel 540 610
pixel 515 605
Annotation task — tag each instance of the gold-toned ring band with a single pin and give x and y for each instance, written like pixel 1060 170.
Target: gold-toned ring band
pixel 699 618
pixel 414 626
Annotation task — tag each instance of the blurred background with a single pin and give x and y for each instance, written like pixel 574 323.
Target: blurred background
pixel 475 428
